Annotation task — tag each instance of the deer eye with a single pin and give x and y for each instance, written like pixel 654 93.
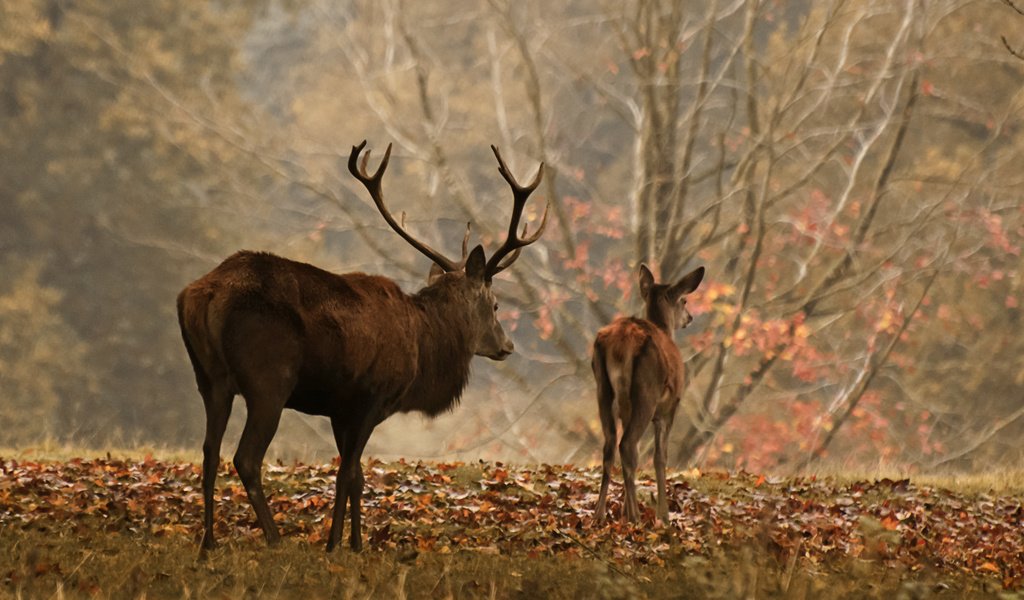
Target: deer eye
pixel 495 307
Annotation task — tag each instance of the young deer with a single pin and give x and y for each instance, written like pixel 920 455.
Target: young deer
pixel 640 372
pixel 352 347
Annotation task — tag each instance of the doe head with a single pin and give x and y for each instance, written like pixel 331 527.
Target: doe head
pixel 667 302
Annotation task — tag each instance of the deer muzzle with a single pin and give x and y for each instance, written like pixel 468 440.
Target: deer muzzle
pixel 505 351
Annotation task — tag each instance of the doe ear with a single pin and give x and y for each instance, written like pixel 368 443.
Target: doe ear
pixel 646 280
pixel 476 265
pixel 687 284
pixel 435 273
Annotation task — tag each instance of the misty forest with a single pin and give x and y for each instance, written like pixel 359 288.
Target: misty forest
pixel 848 173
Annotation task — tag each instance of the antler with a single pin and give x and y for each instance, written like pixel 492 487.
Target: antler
pixel 509 250
pixel 372 185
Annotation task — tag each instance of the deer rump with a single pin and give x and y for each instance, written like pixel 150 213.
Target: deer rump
pixel 336 340
pixel 634 358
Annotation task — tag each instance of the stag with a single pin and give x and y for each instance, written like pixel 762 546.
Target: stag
pixel 353 347
pixel 640 376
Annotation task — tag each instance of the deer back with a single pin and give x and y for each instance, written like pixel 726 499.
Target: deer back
pixel 360 335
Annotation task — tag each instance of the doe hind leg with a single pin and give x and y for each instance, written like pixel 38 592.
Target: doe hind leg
pixel 605 401
pixel 660 456
pixel 663 419
pixel 644 392
pixel 628 452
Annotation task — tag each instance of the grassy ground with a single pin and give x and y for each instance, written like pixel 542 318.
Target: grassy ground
pixel 35 563
pixel 130 529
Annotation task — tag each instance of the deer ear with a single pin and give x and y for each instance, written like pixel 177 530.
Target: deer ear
pixel 476 265
pixel 646 280
pixel 687 284
pixel 435 273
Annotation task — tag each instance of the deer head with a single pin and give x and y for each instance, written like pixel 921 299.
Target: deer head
pixel 665 304
pixel 467 282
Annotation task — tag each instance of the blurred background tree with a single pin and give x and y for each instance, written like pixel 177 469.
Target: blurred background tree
pixel 847 170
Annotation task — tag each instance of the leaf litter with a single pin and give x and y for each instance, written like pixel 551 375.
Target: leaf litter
pixel 540 510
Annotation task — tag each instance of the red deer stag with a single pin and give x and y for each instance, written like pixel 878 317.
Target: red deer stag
pixel 640 377
pixel 351 347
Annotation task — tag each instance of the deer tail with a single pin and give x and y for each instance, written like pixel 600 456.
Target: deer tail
pixel 185 317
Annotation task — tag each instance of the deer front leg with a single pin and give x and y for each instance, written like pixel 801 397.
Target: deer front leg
pixel 340 492
pixel 349 486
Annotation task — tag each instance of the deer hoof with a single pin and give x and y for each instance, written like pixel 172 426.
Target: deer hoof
pixel 208 543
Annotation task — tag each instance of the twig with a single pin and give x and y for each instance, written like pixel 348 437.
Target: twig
pixel 1012 5
pixel 1019 54
pixel 595 554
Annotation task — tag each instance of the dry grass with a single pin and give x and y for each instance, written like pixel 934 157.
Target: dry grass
pixel 53 451
pixel 996 481
pixel 37 564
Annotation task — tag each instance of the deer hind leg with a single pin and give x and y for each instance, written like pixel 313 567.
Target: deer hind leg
pixel 660 456
pixel 217 398
pixel 266 373
pixel 631 433
pixel 260 427
pixel 663 419
pixel 605 401
pixel 636 417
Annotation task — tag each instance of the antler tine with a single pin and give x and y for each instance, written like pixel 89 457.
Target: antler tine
pixel 517 188
pixel 360 171
pixel 465 240
pixel 372 183
pixel 465 245
pixel 513 244
pixel 511 258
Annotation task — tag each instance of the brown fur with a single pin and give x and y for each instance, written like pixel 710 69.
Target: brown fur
pixel 334 315
pixel 628 336
pixel 351 347
pixel 640 377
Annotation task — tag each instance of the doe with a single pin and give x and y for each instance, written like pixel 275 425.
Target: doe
pixel 640 376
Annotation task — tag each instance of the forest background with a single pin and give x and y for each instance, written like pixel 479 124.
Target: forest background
pixel 848 171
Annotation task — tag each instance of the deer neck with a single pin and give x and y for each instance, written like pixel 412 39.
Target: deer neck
pixel 445 352
pixel 654 314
